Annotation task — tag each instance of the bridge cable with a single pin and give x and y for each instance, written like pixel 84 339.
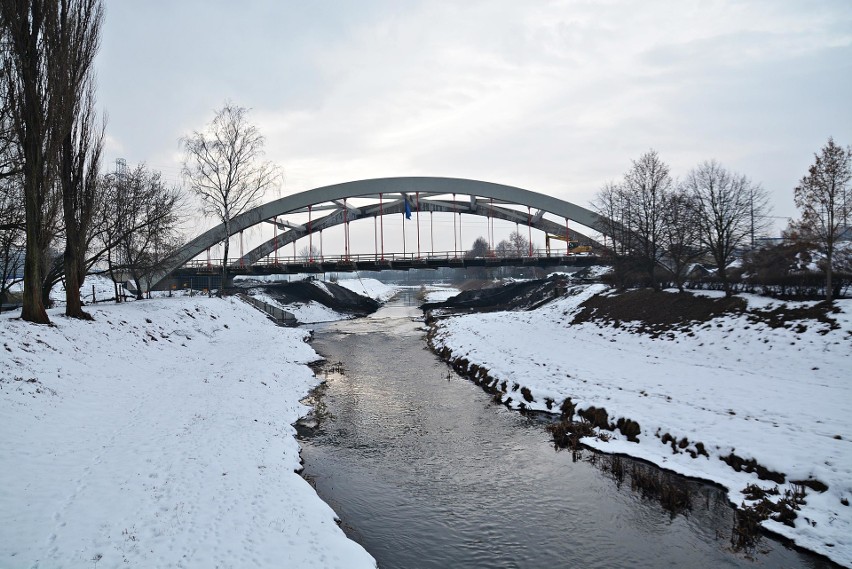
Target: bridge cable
pixel 455 243
pixel 418 224
pixel 461 241
pixel 567 238
pixel 345 230
pixel 432 231
pixel 529 227
pixel 518 234
pixel 382 224
pixel 490 226
pixel 310 238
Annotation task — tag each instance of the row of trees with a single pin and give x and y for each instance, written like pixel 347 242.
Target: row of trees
pixel 651 219
pixel 55 197
pixel 654 221
pixel 515 245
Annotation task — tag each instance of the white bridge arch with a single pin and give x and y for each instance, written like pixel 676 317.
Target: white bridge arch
pixel 426 194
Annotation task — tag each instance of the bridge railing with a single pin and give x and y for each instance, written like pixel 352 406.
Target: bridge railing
pixel 390 258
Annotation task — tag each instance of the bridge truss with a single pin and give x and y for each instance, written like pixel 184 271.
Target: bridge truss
pixel 342 204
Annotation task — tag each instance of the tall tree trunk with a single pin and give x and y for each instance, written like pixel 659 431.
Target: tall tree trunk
pixel 34 191
pixel 829 298
pixel 111 270
pixel 652 265
pixel 33 308
pixel 225 258
pixel 138 282
pixel 25 23
pixel 73 282
pixel 72 258
pixel 722 272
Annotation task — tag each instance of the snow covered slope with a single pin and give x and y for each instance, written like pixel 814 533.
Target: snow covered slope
pixel 370 288
pixel 159 436
pixel 781 396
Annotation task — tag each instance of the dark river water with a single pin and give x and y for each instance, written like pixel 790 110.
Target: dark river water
pixel 425 470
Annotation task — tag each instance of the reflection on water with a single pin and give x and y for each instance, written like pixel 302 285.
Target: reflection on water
pixel 426 471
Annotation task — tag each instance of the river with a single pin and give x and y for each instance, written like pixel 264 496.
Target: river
pixel 425 470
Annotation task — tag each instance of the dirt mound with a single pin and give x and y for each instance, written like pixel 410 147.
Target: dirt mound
pixel 524 295
pixel 328 294
pixel 663 311
pixel 657 310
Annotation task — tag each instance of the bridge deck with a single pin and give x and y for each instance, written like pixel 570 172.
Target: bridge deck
pixel 389 262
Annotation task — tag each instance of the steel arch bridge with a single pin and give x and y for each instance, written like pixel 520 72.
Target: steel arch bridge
pixel 392 196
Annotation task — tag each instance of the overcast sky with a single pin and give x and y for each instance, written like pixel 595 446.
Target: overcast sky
pixel 555 97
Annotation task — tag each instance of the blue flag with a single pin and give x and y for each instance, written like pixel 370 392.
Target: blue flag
pixel 407 209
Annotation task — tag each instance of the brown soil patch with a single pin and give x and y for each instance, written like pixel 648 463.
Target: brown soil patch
pixel 781 316
pixel 655 309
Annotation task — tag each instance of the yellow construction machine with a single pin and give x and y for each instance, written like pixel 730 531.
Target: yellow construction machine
pixel 574 247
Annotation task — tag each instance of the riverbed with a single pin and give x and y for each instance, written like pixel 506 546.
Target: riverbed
pixel 426 470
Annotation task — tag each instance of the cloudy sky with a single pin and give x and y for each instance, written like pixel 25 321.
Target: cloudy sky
pixel 555 97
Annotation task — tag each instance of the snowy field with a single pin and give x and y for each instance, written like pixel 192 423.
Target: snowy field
pixel 780 396
pixel 159 436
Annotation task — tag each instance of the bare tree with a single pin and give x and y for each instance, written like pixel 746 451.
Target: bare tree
pixel 140 220
pixel 224 167
pixel 307 254
pixel 478 249
pixel 11 235
pixel 82 145
pixel 633 216
pixel 11 198
pixel 516 245
pixel 611 204
pixel 82 194
pixel 825 197
pixel 646 186
pixel 46 48
pixel 731 209
pixel 27 73
pixel 681 234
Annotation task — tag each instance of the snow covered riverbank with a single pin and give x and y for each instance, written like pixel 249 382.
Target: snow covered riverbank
pixel 781 396
pixel 159 436
pixel 308 311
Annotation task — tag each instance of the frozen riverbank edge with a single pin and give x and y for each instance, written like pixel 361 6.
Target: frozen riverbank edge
pixel 778 395
pixel 159 435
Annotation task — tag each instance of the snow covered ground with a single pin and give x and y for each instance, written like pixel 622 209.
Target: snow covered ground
pixel 371 288
pixel 159 436
pixel 440 294
pixel 781 396
pixel 313 312
pixel 310 312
